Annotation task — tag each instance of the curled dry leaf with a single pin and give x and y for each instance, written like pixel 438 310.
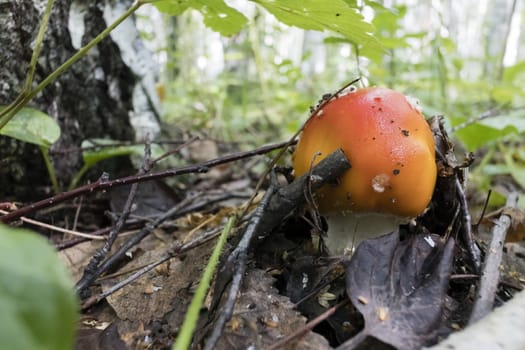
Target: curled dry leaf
pixel 399 287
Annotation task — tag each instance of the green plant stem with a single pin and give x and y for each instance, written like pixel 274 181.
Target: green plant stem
pixel 487 158
pixel 253 35
pixel 78 176
pixel 50 170
pixel 12 105
pixel 186 332
pixel 32 66
pixel 38 45
pixel 15 107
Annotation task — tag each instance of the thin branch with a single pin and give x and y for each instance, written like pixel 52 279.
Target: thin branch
pixel 308 327
pixel 102 232
pixel 103 184
pixel 473 249
pixel 77 213
pixel 484 209
pixel 173 151
pixel 490 277
pixel 491 113
pixel 101 253
pixel 175 251
pixel 184 207
pixel 58 229
pixel 91 274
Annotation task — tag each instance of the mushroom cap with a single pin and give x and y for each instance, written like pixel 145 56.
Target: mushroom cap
pixel 390 148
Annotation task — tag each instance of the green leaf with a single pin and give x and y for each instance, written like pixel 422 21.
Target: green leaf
pixel 220 17
pixel 217 15
pixel 172 7
pixel 333 15
pixel 32 126
pixel 514 121
pixel 470 135
pixel 494 170
pixel 511 73
pixel 506 93
pixel 96 150
pixel 394 43
pixel 38 305
pixel 492 129
pixel 387 20
pixel 517 170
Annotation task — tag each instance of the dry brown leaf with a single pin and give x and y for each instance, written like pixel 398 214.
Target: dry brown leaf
pixel 516 230
pixel 76 257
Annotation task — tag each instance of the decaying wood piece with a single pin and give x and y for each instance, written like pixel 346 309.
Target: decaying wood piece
pixel 291 197
pixel 491 268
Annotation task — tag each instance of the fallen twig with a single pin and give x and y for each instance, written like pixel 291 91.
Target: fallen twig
pixel 318 289
pixel 100 233
pixel 173 252
pixel 101 253
pixel 308 327
pixel 291 197
pixel 473 250
pixel 86 236
pixel 184 207
pixel 104 183
pixel 490 277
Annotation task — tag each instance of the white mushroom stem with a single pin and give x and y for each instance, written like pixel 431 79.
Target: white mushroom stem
pixel 347 230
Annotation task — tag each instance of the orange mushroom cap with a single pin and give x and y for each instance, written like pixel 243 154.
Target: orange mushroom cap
pixel 390 148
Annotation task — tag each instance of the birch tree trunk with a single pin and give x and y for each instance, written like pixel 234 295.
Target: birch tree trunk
pixel 101 96
pixel 497 28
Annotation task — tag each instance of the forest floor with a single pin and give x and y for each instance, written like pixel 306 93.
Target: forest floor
pixel 276 287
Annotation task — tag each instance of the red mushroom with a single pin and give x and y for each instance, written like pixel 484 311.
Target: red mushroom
pixel 391 152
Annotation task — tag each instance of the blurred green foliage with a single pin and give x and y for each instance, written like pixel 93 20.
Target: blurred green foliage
pixel 259 95
pixel 38 303
pixel 262 95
